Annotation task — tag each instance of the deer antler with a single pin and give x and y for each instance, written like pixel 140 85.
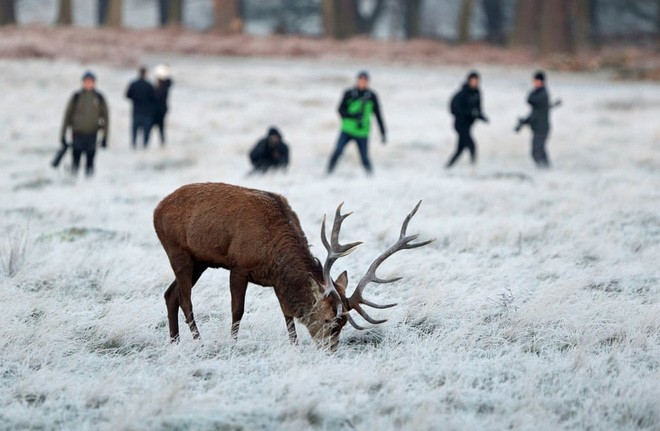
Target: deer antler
pixel 404 242
pixel 335 251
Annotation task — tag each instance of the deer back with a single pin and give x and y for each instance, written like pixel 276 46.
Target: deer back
pixel 228 226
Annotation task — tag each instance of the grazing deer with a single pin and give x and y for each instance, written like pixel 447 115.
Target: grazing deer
pixel 258 238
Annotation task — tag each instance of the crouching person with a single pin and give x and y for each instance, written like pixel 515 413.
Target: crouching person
pixel 270 152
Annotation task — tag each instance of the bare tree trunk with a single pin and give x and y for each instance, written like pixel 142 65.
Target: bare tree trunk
pixel 175 12
pixel 228 16
pixel 657 19
pixel 366 23
pixel 65 13
pixel 329 14
pixel 7 12
pixel 412 10
pixel 528 17
pixel 102 11
pixel 594 22
pixel 494 21
pixel 162 12
pixel 582 20
pixel 555 32
pixel 170 12
pixel 342 19
pixel 114 14
pixel 464 21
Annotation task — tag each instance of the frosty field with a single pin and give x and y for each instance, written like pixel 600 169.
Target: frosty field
pixel 536 308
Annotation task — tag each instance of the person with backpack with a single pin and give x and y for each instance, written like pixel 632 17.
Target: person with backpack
pixel 538 120
pixel 143 96
pixel 270 152
pixel 86 114
pixel 356 107
pixel 162 91
pixel 466 108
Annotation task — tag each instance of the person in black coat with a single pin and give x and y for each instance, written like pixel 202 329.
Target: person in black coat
pixel 270 152
pixel 539 120
pixel 466 109
pixel 162 91
pixel 142 94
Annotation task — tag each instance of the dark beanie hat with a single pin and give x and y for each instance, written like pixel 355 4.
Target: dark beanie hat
pixel 272 131
pixel 539 75
pixel 473 74
pixel 363 74
pixel 88 75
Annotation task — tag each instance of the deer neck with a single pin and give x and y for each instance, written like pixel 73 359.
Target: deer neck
pixel 297 290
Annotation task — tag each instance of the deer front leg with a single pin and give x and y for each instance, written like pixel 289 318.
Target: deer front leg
pixel 291 329
pixel 238 285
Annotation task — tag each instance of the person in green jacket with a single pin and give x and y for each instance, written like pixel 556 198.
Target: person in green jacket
pixel 86 114
pixel 356 107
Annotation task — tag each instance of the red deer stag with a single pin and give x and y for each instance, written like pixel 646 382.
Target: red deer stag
pixel 258 238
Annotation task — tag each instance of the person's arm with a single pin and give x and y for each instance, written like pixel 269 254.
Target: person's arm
pixel 104 121
pixel 537 98
pixel 285 155
pixel 343 105
pixel 480 114
pixel 67 120
pixel 152 95
pixel 130 91
pixel 379 118
pixel 461 105
pixel 257 153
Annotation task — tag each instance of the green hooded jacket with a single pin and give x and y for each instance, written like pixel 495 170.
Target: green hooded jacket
pixel 356 108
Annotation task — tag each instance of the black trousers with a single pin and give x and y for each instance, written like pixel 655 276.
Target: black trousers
pixel 538 149
pixel 141 122
pixel 344 139
pixel 465 141
pixel 84 143
pixel 159 121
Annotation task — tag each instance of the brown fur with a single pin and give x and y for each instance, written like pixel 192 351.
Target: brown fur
pixel 253 234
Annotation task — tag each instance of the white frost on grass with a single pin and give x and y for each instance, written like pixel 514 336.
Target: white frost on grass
pixel 574 343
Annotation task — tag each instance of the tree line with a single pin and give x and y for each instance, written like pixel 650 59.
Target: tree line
pixel 549 26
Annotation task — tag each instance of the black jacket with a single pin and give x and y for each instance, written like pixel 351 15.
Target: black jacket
pixel 466 106
pixel 162 90
pixel 264 157
pixel 353 94
pixel 539 119
pixel 143 96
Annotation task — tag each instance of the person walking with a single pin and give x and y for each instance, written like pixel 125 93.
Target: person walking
pixel 270 152
pixel 162 91
pixel 538 120
pixel 466 109
pixel 356 107
pixel 143 96
pixel 86 114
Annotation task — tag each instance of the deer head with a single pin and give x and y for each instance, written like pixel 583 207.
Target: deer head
pixel 332 310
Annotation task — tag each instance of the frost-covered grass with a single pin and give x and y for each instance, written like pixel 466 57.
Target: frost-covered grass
pixel 536 308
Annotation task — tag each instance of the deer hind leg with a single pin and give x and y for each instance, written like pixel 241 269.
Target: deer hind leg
pixel 187 272
pixel 172 302
pixel 238 285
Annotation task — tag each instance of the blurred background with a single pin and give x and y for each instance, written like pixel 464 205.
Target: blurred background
pixel 550 26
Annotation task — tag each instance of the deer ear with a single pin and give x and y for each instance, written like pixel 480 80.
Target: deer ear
pixel 342 281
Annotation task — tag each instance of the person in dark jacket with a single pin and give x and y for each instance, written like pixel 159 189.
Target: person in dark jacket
pixel 86 114
pixel 356 107
pixel 466 109
pixel 539 120
pixel 162 91
pixel 270 152
pixel 143 96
